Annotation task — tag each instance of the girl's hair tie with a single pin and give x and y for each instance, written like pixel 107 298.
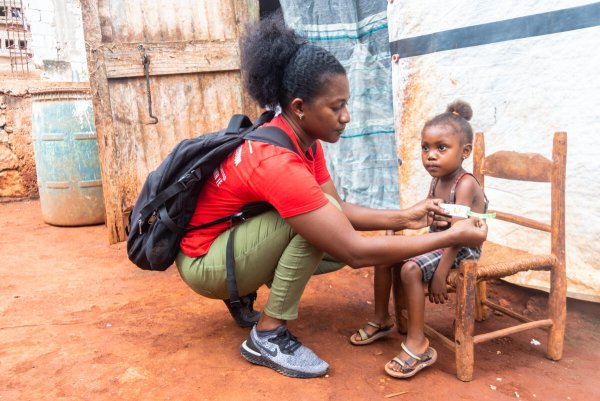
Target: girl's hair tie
pixel 456 113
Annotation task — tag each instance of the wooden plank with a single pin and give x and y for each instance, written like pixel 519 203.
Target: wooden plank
pixel 557 302
pixel 433 333
pixel 506 311
pixel 215 98
pixel 518 166
pixel 511 330
pixel 146 21
pixel 523 221
pixel 195 85
pixel 465 319
pixel 245 12
pixel 102 116
pixel 168 58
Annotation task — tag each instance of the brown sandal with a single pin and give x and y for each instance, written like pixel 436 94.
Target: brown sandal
pixel 413 364
pixel 365 338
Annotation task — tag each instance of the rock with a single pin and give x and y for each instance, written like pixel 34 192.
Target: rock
pixel 8 129
pixel 131 375
pixel 8 160
pixel 2 121
pixel 504 303
pixel 3 136
pixel 11 184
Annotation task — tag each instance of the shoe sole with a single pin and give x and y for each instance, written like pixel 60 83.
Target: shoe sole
pixel 257 359
pixel 373 338
pixel 418 368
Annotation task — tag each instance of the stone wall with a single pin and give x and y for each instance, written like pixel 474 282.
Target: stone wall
pixel 17 165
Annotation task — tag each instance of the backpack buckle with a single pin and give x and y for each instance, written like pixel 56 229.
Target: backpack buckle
pixel 239 217
pixel 185 180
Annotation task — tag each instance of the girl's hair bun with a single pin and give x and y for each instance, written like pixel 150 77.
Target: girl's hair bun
pixel 461 108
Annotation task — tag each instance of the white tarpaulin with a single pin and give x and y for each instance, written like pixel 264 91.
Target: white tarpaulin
pixel 528 69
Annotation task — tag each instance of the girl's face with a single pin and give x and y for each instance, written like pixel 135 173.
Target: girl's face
pixel 442 150
pixel 325 118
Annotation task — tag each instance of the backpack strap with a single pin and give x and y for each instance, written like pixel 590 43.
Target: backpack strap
pixel 275 136
pixel 237 122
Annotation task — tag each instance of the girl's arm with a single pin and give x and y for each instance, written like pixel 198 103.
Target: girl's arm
pixel 422 214
pixel 437 286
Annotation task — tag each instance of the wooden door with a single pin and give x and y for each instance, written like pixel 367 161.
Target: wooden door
pixel 194 79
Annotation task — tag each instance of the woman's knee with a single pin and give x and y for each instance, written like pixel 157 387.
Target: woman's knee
pixel 411 272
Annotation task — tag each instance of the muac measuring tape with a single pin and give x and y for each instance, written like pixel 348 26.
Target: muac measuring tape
pixel 464 211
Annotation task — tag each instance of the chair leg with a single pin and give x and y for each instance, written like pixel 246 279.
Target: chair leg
pixel 399 302
pixel 481 310
pixel 557 311
pixel 465 320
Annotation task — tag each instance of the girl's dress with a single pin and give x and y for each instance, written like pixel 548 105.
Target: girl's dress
pixel 429 262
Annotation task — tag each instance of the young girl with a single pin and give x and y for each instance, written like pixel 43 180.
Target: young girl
pixel 446 141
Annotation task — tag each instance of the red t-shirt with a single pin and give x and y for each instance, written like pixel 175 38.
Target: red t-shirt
pixel 257 171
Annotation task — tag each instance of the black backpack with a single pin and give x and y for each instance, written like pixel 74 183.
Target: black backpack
pixel 169 196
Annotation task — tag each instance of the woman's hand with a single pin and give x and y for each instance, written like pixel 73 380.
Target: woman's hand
pixel 469 232
pixel 426 213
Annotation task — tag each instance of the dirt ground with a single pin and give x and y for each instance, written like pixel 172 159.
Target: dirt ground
pixel 78 321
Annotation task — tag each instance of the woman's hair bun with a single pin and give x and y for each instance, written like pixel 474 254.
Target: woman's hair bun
pixel 461 108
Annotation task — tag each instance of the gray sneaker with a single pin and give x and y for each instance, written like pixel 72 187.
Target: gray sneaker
pixel 281 351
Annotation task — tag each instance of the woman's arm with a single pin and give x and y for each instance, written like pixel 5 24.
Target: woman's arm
pixel 330 230
pixel 420 215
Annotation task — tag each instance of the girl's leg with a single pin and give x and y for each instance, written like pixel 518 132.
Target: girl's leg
pixel 412 284
pixel 413 287
pixel 381 291
pixel 382 285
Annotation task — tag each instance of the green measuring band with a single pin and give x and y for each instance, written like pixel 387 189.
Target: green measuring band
pixel 482 215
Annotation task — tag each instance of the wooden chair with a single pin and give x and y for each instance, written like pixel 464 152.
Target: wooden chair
pixel 469 280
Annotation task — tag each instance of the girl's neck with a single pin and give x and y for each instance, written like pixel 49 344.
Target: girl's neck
pixel 299 133
pixel 452 176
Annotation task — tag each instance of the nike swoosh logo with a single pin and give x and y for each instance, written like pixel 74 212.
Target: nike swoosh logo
pixel 273 353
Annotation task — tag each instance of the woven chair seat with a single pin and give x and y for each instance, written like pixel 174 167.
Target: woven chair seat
pixel 500 261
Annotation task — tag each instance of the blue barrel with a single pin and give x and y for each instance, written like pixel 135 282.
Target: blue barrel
pixel 66 158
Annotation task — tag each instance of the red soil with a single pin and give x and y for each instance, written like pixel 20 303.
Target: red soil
pixel 78 321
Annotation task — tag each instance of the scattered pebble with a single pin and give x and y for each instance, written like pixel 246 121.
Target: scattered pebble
pixel 517 395
pixel 369 302
pixel 499 379
pixel 108 325
pixel 498 352
pixel 535 342
pixel 492 387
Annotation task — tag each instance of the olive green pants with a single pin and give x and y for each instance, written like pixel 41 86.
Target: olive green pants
pixel 266 250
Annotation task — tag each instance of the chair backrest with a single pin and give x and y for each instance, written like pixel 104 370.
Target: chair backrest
pixel 533 167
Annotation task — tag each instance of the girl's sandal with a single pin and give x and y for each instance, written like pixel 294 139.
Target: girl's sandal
pixel 413 364
pixel 365 338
